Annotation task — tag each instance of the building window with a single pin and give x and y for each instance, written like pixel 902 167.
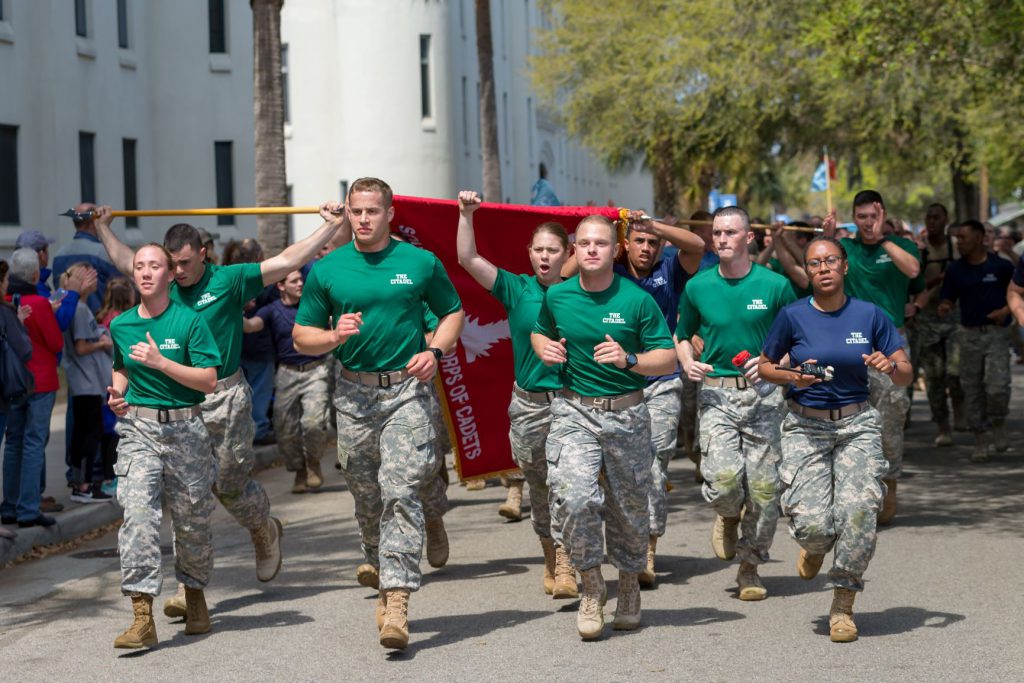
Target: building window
pixel 529 127
pixel 218 28
pixel 225 180
pixel 465 115
pixel 131 191
pixel 9 211
pixel 343 187
pixel 81 21
pixel 284 84
pixel 507 152
pixel 122 24
pixel 87 165
pixel 425 104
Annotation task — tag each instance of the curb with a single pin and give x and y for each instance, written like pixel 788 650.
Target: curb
pixel 81 519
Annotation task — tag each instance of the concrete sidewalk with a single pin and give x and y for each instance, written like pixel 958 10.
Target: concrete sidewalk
pixel 77 518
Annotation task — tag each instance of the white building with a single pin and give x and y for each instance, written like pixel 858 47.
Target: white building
pixel 127 102
pixel 389 89
pixel 148 104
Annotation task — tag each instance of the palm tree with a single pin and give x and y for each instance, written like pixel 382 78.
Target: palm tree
pixel 268 120
pixel 488 105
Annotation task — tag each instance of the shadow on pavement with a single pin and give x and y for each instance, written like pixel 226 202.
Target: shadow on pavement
pixel 893 621
pixel 454 628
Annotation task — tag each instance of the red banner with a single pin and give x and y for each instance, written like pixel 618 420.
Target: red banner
pixel 478 374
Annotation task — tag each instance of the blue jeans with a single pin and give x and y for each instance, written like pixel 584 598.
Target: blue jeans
pixel 28 429
pixel 260 376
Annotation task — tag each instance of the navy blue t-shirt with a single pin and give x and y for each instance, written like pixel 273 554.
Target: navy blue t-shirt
pixel 838 338
pixel 708 260
pixel 664 283
pixel 981 289
pixel 279 319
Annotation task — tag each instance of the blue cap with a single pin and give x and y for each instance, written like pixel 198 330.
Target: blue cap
pixel 33 239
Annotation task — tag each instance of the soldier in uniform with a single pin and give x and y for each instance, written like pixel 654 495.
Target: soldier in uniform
pixel 609 335
pixel 934 343
pixel 881 271
pixel 219 294
pixel 661 272
pixel 372 290
pixel 536 384
pixel 832 463
pixel 731 308
pixel 165 361
pixel 301 398
pixel 979 280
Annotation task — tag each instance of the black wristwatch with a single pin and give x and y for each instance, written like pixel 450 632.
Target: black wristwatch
pixel 630 361
pixel 437 353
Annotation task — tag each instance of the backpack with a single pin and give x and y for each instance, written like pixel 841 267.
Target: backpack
pixel 17 384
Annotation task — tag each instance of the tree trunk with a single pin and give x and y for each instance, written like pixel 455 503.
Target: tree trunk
pixel 488 104
pixel 966 194
pixel 666 184
pixel 268 121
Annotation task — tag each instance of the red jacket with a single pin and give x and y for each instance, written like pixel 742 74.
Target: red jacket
pixel 47 341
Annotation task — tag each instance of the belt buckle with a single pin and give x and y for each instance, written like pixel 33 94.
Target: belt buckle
pixel 550 395
pixel 603 403
pixel 384 379
pixel 163 415
pixel 835 414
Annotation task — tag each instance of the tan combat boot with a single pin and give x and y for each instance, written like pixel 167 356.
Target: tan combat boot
pixel 999 436
pixel 749 582
pixel 840 617
pixel 512 508
pixel 945 436
pixel 647 576
pixel 299 485
pixel 381 609
pixel 437 543
pixel 197 619
pixel 888 509
pixel 142 632
pixel 267 542
pixel 627 609
pixel 590 617
pixel 548 545
pixel 174 607
pixel 394 635
pixel 724 536
pixel 565 577
pixel 808 565
pixel 980 452
pixel 367 575
pixel 314 477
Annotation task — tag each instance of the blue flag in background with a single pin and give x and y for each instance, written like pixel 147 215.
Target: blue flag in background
pixel 819 182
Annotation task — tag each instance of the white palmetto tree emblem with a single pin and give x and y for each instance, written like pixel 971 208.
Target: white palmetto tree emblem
pixel 478 338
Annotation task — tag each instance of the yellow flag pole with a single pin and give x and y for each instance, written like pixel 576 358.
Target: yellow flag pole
pixel 240 211
pixel 828 183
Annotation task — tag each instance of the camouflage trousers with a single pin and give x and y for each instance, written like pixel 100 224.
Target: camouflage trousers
pixel 892 404
pixel 388 454
pixel 300 414
pixel 434 494
pixel 599 471
pixel 937 353
pixel 161 464
pixel 663 399
pixel 689 422
pixel 739 434
pixel 228 417
pixel 831 475
pixel 528 435
pixel 985 374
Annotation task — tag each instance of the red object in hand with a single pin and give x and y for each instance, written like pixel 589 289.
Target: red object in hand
pixel 741 358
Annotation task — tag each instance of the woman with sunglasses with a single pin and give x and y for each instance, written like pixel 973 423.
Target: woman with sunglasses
pixel 832 463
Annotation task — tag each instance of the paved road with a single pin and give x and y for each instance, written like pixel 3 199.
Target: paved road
pixel 943 598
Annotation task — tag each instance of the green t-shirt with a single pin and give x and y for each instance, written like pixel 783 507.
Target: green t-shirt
pixel 775 265
pixel 522 296
pixel 182 336
pixel 731 314
pixel 389 288
pixel 624 311
pixel 220 297
pixel 874 277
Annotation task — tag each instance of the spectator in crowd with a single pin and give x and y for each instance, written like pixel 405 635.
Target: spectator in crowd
pixel 64 301
pixel 1006 239
pixel 87 366
pixel 258 347
pixel 12 329
pixel 543 193
pixel 119 297
pixel 207 239
pixel 28 425
pixel 86 246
